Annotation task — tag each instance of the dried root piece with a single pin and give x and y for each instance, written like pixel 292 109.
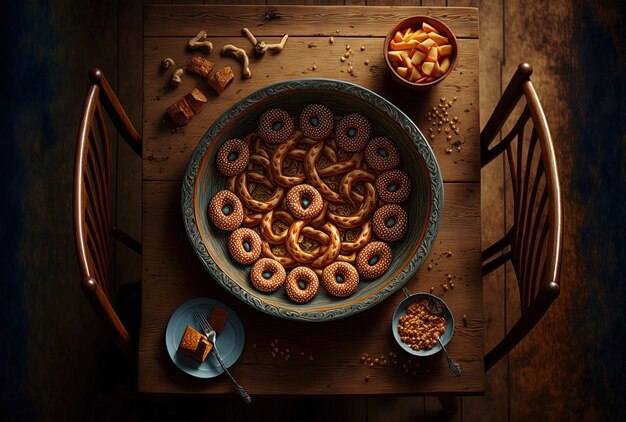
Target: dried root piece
pixel 241 55
pixel 175 81
pixel 167 63
pixel 200 66
pixel 200 41
pixel 184 109
pixel 261 47
pixel 220 79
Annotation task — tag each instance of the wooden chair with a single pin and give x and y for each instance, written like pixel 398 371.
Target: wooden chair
pixel 533 244
pixel 92 216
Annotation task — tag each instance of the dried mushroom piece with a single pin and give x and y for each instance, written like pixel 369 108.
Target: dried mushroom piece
pixel 175 81
pixel 200 41
pixel 239 54
pixel 220 79
pixel 200 66
pixel 196 100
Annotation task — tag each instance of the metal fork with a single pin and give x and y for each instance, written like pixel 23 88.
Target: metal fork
pixel 202 321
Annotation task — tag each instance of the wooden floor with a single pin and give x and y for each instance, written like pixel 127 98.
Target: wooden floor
pixel 548 376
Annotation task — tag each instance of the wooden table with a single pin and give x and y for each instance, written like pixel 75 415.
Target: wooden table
pixel 325 357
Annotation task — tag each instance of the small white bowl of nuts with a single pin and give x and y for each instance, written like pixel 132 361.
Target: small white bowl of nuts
pixel 417 322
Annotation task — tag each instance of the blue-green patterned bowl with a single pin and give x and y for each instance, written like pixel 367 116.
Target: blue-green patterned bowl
pixel 202 181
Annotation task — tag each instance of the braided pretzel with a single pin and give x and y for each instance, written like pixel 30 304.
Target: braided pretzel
pixel 267 222
pixel 314 178
pixel 331 251
pixel 349 179
pixel 293 247
pixel 276 162
pixel 252 219
pixel 254 204
pixel 365 235
pixel 285 260
pixel 365 211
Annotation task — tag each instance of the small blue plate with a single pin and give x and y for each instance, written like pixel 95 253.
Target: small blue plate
pixel 401 311
pixel 230 341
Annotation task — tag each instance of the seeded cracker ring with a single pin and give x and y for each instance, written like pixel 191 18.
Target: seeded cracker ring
pixel 267 275
pixel 241 187
pixel 365 211
pixel 244 246
pixel 225 210
pixel 232 158
pixel 340 279
pixel 393 186
pixel 304 202
pixel 374 260
pixel 302 284
pixel 275 126
pixel 352 132
pixel 381 154
pixel 390 222
pixel 317 121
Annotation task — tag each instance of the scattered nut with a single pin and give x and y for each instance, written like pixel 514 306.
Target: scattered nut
pixel 167 63
pixel 331 39
pixel 362 48
pixel 241 55
pixel 199 41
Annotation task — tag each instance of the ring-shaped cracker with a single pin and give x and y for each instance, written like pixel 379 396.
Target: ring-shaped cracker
pixel 390 222
pixel 381 154
pixel 317 121
pixel 267 275
pixel 275 126
pixel 299 277
pixel 304 202
pixel 225 210
pixel 393 186
pixel 374 260
pixel 341 279
pixel 244 246
pixel 233 157
pixel 353 132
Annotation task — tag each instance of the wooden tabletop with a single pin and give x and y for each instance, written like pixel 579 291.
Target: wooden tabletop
pixel 325 358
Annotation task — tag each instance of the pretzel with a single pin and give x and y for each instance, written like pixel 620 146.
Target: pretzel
pixel 314 178
pixel 251 219
pixel 267 222
pixel 365 211
pixel 349 179
pixel 285 260
pixel 272 202
pixel 293 247
pixel 276 163
pixel 331 252
pixel 365 235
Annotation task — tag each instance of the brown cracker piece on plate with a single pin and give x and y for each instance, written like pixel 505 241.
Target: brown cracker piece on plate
pixel 218 318
pixel 220 79
pixel 200 66
pixel 194 345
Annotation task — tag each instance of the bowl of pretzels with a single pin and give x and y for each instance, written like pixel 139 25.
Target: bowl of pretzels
pixel 312 199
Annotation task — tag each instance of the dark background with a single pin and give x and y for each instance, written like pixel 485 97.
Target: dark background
pixel 572 365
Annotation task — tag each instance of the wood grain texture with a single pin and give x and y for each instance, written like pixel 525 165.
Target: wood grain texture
pixel 364 21
pixel 170 278
pixel 166 154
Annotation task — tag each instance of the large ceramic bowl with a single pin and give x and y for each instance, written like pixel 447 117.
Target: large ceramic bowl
pixel 425 206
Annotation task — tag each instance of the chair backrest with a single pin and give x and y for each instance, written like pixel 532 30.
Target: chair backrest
pixel 534 242
pixel 92 216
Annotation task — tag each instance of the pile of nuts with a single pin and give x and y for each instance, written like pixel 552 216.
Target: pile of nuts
pixel 419 328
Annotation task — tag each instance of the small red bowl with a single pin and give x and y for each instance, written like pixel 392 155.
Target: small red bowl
pixel 415 22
